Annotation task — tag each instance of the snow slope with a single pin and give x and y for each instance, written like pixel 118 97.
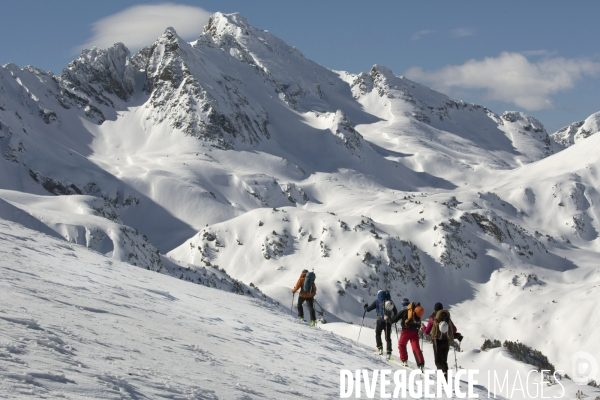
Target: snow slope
pixel 76 324
pixel 244 162
pixel 485 249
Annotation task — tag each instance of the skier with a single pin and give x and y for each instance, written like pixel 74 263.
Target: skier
pixel 385 310
pixel 410 320
pixel 443 332
pixel 308 290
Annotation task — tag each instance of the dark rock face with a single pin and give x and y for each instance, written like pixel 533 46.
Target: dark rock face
pixel 53 186
pixel 96 71
pixel 181 94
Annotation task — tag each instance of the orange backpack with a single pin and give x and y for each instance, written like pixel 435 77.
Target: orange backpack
pixel 414 313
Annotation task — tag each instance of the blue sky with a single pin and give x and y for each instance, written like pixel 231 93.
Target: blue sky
pixel 540 57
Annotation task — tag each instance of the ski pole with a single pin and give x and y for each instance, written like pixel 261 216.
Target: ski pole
pixel 322 310
pixel 397 335
pixel 361 325
pixel 387 333
pixel 292 307
pixel 455 362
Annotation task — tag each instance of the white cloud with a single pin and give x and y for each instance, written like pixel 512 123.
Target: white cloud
pixel 511 78
pixel 420 34
pixel 141 25
pixel 462 32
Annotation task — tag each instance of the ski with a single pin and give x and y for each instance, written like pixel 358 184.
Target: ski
pixel 393 360
pixel 403 366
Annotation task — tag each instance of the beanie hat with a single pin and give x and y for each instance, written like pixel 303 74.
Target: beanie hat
pixel 438 307
pixel 405 302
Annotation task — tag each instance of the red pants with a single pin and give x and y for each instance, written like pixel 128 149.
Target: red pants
pixel 413 336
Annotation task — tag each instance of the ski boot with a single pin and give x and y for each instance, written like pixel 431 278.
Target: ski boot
pixel 301 319
pixel 388 356
pixel 380 351
pixel 404 364
pixel 313 323
pixel 422 368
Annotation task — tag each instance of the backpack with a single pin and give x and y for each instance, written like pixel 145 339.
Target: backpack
pixel 412 317
pixel 442 326
pixel 309 282
pixel 383 296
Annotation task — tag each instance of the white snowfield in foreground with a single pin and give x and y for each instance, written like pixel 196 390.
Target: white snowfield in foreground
pixel 74 324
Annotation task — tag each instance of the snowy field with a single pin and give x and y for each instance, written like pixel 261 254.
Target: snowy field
pixel 75 324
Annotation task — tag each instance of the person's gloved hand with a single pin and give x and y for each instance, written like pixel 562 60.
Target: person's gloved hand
pixel 366 306
pixel 458 336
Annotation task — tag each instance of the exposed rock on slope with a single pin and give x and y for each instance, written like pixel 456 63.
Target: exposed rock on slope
pixel 577 131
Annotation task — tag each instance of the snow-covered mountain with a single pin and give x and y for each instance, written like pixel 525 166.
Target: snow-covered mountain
pixel 242 162
pixel 577 131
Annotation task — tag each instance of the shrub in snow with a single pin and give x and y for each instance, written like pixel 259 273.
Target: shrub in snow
pixel 529 355
pixel 490 344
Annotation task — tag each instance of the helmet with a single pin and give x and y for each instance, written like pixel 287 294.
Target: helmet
pixel 389 306
pixel 443 327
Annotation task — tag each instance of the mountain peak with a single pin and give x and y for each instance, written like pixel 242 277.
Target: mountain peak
pixel 525 120
pixel 234 31
pixel 97 54
pixel 219 24
pixel 109 68
pixel 161 53
pixel 11 67
pixel 382 70
pixel 170 40
pixel 170 34
pixel 569 135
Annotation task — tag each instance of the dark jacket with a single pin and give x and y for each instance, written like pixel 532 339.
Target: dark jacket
pixel 401 316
